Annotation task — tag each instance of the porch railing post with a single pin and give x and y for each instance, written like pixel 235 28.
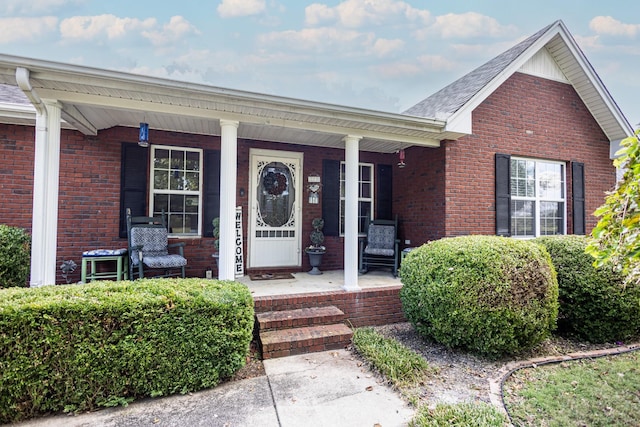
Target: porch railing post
pixel 228 182
pixel 351 213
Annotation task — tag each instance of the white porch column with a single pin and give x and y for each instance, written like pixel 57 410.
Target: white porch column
pixel 351 213
pixel 46 173
pixel 228 181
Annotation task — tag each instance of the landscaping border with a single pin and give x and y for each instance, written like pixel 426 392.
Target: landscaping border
pixel 496 383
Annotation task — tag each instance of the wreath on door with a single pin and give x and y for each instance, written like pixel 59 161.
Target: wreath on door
pixel 274 183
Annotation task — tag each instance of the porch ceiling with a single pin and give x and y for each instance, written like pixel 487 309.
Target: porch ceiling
pixel 95 99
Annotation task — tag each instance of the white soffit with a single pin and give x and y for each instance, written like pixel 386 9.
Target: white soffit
pixel 106 99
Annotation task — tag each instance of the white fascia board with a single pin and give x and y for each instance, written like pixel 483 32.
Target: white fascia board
pixel 460 121
pixel 614 146
pixel 595 81
pixel 17 111
pixel 73 74
pixel 138 105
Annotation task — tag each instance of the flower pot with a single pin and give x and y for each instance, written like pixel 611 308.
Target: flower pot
pixel 315 259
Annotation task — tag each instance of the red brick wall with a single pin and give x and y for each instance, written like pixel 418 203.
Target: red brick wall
pixel 367 307
pixel 527 116
pixel 16 175
pixel 442 191
pixel 89 200
pixel 419 195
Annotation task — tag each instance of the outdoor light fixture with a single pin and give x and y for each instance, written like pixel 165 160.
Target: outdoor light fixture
pixel 143 139
pixel 401 163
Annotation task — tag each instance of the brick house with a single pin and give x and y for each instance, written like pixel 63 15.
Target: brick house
pixel 519 147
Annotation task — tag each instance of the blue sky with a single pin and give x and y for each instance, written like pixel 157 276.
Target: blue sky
pixel 380 54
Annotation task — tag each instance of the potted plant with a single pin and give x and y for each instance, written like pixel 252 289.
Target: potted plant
pixel 316 250
pixel 216 238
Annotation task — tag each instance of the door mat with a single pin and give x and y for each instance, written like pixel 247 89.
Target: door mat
pixel 271 276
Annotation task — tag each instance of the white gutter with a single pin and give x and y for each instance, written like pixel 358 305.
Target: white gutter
pixel 22 78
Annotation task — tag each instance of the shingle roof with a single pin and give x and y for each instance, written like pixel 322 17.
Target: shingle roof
pixel 12 95
pixel 451 98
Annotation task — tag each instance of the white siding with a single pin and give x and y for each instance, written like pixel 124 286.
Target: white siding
pixel 543 65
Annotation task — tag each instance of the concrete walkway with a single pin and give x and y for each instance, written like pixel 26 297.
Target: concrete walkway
pixel 319 389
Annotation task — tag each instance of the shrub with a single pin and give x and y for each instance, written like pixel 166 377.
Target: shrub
pixel 75 348
pixel 595 303
pixel 15 256
pixel 492 295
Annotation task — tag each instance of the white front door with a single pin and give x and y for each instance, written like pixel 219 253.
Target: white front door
pixel 275 202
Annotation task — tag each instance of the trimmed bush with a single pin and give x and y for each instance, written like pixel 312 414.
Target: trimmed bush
pixel 490 295
pixel 75 348
pixel 595 303
pixel 15 256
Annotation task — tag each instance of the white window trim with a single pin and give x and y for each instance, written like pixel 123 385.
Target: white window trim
pixel 537 199
pixel 199 193
pixel 360 199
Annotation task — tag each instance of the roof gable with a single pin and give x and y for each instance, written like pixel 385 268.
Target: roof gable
pixel 455 102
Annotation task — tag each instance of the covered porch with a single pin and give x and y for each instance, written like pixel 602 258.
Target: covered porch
pixel 93 102
pixel 328 281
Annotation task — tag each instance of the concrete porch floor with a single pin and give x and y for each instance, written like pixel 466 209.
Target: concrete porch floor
pixel 303 282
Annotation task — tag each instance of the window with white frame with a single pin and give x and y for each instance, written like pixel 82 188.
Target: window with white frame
pixel 538 198
pixel 365 195
pixel 176 190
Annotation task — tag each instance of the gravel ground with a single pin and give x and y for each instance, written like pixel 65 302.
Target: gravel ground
pixel 460 377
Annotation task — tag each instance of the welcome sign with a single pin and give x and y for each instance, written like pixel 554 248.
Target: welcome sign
pixel 239 258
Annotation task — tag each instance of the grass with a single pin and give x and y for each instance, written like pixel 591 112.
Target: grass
pixel 460 415
pixel 402 367
pixel 593 392
pixel 405 370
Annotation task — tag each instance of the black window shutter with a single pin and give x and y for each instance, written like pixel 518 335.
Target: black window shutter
pixel 211 190
pixel 133 182
pixel 577 174
pixel 503 194
pixel 331 197
pixel 384 201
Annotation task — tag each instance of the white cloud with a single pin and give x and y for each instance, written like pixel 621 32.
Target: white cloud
pixel 317 13
pixel 319 39
pixel 423 65
pixel 397 70
pixel 610 26
pixel 83 28
pixel 436 63
pixel 32 7
pixel 234 8
pixel 356 13
pixel 589 42
pixel 468 25
pixel 26 29
pixel 177 28
pixel 384 47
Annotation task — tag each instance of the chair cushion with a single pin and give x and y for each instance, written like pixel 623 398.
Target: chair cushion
pixel 104 252
pixel 381 237
pixel 165 261
pixel 377 251
pixel 153 240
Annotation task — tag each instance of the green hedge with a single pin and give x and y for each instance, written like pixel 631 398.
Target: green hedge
pixel 595 304
pixel 15 256
pixel 488 294
pixel 75 348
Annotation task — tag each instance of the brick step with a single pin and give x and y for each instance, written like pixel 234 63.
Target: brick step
pixel 286 319
pixel 308 339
